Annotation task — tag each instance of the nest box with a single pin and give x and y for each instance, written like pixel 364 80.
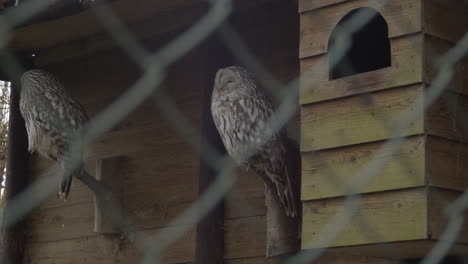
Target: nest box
pixel 349 111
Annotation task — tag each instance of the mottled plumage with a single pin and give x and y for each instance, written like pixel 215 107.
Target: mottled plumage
pixel 241 112
pixel 52 118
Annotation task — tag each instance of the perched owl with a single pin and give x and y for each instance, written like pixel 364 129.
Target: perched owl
pixel 241 112
pixel 52 118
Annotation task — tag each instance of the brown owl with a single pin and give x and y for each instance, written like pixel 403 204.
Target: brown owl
pixel 52 118
pixel 241 112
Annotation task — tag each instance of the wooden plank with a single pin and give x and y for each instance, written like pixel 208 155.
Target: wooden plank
pixel 329 172
pixel 326 258
pixel 106 250
pixel 445 117
pixel 358 119
pixel 381 217
pixel 307 5
pixel 315 84
pixel 403 18
pixel 434 48
pixel 439 200
pixel 445 19
pixel 247 197
pixel 244 237
pixel 144 30
pixel 447 163
pixel 398 250
pixel 86 23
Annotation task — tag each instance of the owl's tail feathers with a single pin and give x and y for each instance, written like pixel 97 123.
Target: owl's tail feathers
pixel 286 195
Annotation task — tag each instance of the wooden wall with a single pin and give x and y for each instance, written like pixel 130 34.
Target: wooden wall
pixel 161 170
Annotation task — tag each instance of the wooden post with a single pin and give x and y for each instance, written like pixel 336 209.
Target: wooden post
pixel 282 231
pixel 110 172
pixel 16 178
pixel 210 232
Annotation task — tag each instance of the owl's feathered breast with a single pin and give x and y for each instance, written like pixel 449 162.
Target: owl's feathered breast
pixel 243 125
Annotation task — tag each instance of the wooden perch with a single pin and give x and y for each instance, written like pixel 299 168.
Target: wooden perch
pixel 109 172
pixel 282 231
pixel 110 207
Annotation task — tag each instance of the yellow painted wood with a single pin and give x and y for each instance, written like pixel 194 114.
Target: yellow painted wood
pixel 329 173
pixel 406 68
pixel 381 217
pixel 403 18
pixel 358 119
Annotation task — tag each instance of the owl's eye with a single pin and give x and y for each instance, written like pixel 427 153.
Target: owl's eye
pixel 230 81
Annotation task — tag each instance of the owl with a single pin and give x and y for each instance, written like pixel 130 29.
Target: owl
pixel 53 117
pixel 242 112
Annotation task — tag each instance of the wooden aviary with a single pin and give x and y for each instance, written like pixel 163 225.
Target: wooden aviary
pixel 346 115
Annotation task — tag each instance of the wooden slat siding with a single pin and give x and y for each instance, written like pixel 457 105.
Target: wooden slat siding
pixel 358 119
pixel 315 85
pixel 244 237
pixel 446 117
pixel 247 197
pixel 445 19
pixel 384 212
pixel 307 5
pixel 447 163
pixel 106 250
pixel 434 48
pixel 326 258
pixel 439 200
pixel 403 18
pixel 404 249
pixel 405 169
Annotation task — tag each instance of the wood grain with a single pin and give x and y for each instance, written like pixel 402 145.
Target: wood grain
pixel 306 5
pixel 439 200
pixel 86 23
pixel 329 172
pixel 358 119
pixel 316 86
pixel 106 250
pixel 434 49
pixel 403 18
pixel 404 250
pixel 244 237
pixel 445 19
pixel 447 163
pixel 446 117
pixel 381 217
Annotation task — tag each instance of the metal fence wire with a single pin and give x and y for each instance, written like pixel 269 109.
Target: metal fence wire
pixel 153 66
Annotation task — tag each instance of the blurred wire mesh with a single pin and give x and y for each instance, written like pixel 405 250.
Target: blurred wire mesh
pixel 154 69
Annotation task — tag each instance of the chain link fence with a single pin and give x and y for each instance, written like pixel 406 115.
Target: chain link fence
pixel 154 66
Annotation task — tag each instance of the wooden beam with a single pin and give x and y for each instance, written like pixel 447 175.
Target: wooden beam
pixel 16 178
pixel 210 230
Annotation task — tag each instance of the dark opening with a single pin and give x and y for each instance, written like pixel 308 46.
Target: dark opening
pixel 370 47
